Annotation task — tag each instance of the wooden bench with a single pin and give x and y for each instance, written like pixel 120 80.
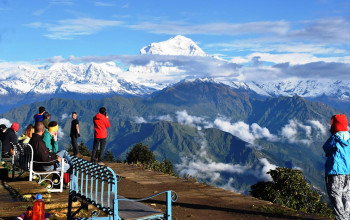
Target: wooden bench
pixel 97 185
pixel 23 161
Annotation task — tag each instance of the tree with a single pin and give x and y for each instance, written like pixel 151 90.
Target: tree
pixel 140 153
pixel 83 149
pixel 109 157
pixel 289 188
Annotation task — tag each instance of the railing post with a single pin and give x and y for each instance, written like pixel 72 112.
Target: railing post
pixel 168 205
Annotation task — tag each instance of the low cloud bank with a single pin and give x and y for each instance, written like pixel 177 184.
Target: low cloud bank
pixel 202 167
pixel 297 133
pixel 294 132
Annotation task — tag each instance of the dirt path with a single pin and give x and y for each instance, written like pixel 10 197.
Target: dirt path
pixel 198 201
pixel 195 201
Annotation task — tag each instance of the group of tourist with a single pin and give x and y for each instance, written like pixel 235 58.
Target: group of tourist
pixel 42 136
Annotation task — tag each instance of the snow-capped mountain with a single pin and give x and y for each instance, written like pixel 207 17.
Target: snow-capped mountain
pixel 183 60
pixel 87 78
pixel 178 45
pixel 305 88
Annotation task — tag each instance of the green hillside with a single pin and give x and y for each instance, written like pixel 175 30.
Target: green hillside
pixel 176 141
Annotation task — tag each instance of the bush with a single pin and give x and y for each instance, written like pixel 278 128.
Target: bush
pixel 83 149
pixel 109 157
pixel 289 188
pixel 140 153
pixel 165 166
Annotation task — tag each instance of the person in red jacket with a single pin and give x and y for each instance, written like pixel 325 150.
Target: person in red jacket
pixel 101 123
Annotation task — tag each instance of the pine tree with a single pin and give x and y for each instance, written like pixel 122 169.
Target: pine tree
pixel 109 157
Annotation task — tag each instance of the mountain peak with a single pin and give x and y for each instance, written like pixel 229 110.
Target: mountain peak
pixel 178 45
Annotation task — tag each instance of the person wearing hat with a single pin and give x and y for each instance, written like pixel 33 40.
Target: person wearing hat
pixel 50 137
pixel 337 167
pixel 9 136
pixel 46 119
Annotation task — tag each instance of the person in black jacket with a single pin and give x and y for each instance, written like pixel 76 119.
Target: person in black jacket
pixel 74 134
pixel 42 153
pixel 9 136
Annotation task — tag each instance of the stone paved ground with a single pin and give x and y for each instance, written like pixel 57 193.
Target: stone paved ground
pixel 195 201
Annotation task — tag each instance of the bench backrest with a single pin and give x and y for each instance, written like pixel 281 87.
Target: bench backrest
pixel 95 183
pixel 23 156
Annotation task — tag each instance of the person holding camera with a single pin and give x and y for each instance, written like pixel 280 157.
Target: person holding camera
pixel 101 123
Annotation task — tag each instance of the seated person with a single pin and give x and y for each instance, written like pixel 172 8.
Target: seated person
pixel 50 137
pixel 25 138
pixel 42 153
pixel 9 136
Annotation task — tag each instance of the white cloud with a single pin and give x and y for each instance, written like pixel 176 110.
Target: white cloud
pixel 64 116
pixel 291 58
pixel 319 126
pixel 239 129
pixel 70 28
pixel 60 132
pixel 260 46
pixel 199 165
pixel 260 132
pixel 267 166
pixel 228 185
pixel 153 70
pixel 295 132
pixel 233 29
pixel 248 133
pixel 184 118
pixel 104 4
pixel 139 120
pixel 5 122
pixel 165 118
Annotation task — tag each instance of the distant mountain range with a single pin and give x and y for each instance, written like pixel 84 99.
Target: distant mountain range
pixel 154 69
pixel 208 129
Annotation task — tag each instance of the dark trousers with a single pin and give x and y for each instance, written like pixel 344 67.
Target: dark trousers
pixel 102 143
pixel 74 141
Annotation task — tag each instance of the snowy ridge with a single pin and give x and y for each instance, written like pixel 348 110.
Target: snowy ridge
pixel 178 45
pixel 304 88
pixel 141 79
pixel 66 77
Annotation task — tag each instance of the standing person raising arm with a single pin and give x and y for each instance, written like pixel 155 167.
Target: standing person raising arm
pixel 101 123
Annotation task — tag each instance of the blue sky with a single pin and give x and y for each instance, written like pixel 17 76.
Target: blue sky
pixel 297 32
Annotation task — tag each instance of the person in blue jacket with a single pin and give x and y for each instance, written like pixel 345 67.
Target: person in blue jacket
pixel 337 167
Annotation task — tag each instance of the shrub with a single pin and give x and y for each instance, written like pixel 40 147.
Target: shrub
pixel 165 166
pixel 140 153
pixel 289 188
pixel 109 157
pixel 83 149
